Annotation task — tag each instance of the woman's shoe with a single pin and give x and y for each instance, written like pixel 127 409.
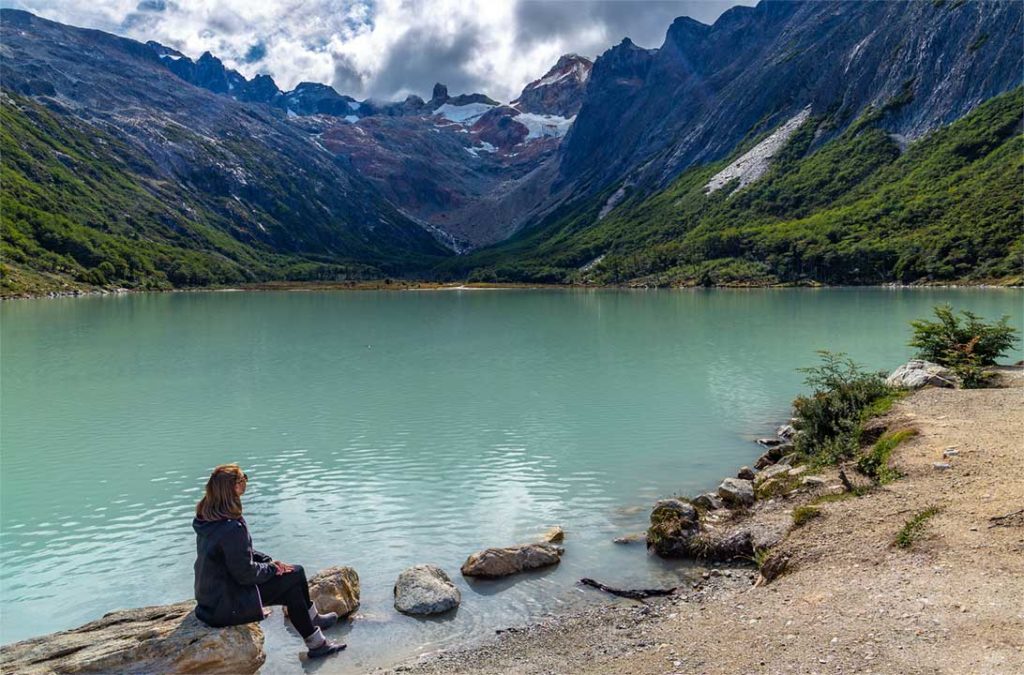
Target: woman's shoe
pixel 326 649
pixel 325 620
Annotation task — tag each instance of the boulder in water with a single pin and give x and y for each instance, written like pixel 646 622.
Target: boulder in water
pixel 335 589
pixel 501 562
pixel 673 524
pixel 425 589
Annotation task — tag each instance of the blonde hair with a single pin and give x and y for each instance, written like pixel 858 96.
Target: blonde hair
pixel 221 501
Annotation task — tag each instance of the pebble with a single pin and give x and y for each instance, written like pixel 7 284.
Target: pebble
pixel 942 466
pixel 950 452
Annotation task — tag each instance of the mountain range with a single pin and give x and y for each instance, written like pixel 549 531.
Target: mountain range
pixel 791 142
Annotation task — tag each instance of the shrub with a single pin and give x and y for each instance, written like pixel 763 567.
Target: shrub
pixel 967 344
pixel 830 418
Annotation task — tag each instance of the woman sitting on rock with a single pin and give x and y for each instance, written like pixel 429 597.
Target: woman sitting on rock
pixel 234 583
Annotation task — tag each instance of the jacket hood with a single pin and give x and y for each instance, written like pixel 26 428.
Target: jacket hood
pixel 205 528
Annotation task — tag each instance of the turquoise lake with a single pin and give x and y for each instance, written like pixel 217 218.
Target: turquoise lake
pixel 386 429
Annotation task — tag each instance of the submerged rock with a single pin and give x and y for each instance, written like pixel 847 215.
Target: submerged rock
pixel 630 538
pixel 918 373
pixel 425 589
pixel 501 562
pixel 553 535
pixel 335 589
pixel 736 491
pixel 159 639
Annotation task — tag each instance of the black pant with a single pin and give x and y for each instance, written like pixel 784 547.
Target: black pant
pixel 292 591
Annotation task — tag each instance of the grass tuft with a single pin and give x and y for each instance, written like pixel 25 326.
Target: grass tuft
pixel 875 464
pixel 914 528
pixel 804 514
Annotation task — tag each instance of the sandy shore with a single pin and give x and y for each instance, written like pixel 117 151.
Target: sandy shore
pixel 851 602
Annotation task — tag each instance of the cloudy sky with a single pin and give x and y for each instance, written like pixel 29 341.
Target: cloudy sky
pixel 386 49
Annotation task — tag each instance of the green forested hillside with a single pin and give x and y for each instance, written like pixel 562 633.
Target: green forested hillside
pixel 80 207
pixel 852 211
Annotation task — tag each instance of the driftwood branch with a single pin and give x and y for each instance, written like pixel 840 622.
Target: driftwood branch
pixel 997 521
pixel 846 480
pixel 633 594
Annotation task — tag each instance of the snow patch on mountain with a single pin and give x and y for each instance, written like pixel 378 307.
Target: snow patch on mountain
pixel 540 126
pixel 463 114
pixel 755 162
pixel 483 147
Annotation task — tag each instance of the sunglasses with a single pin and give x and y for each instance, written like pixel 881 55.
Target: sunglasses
pixel 244 477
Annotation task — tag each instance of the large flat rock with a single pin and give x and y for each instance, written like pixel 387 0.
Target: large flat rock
pixel 160 639
pixel 501 562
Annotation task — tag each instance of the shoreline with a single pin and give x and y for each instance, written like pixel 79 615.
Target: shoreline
pixel 399 285
pixel 729 620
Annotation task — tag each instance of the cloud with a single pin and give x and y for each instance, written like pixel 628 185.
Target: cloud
pixel 386 49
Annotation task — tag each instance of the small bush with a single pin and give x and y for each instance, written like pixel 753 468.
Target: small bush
pixel 967 344
pixel 875 464
pixel 761 556
pixel 830 418
pixel 804 514
pixel 914 528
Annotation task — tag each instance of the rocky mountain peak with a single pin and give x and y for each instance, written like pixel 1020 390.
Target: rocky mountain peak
pixel 560 90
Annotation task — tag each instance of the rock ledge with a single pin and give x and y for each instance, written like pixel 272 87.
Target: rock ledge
pixel 159 639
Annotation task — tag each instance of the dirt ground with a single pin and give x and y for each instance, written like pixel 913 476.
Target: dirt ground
pixel 852 601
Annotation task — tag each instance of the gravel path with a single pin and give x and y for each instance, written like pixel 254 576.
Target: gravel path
pixel 852 602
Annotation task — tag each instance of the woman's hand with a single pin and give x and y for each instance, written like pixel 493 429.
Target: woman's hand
pixel 283 567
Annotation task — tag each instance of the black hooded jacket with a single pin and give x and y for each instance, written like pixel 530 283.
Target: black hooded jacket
pixel 227 571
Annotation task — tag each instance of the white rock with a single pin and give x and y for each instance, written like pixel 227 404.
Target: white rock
pixel 425 589
pixel 918 373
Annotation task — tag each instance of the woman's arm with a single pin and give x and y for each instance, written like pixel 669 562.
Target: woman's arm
pixel 261 557
pixel 238 558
